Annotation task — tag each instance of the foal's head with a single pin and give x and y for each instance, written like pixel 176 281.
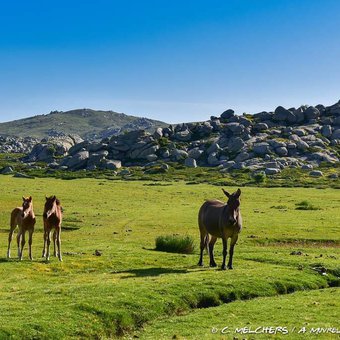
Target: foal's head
pixel 233 204
pixel 50 206
pixel 27 204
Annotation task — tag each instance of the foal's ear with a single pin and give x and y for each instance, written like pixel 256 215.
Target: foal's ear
pixel 238 193
pixel 226 193
pixel 46 198
pixel 30 198
pixel 23 198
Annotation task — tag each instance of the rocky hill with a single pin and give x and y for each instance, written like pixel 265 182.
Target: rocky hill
pixel 88 124
pixel 268 142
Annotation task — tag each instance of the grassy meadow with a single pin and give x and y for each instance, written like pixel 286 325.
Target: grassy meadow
pixel 113 283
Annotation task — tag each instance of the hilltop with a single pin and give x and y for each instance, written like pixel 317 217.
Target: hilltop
pixel 300 143
pixel 88 124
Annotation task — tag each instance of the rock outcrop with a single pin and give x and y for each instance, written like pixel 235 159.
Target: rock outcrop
pixel 265 141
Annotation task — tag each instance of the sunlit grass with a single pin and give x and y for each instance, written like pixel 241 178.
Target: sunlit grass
pixel 131 283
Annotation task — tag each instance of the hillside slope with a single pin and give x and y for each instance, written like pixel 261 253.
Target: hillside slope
pixel 87 123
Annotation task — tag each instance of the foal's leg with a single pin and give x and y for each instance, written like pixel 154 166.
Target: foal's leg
pixel 23 241
pixel 45 243
pixel 59 243
pixel 211 251
pixel 19 236
pixel 10 238
pixel 224 240
pixel 48 245
pixel 30 241
pixel 203 244
pixel 54 243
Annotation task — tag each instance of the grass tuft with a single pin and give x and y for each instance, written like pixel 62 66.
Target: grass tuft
pixel 305 205
pixel 175 244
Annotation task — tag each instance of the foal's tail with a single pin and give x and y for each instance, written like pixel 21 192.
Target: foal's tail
pixel 13 220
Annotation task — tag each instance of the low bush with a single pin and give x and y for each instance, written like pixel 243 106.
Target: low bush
pixel 175 244
pixel 305 205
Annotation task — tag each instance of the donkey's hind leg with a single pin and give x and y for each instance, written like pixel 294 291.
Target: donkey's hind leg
pixel 211 251
pixel 203 244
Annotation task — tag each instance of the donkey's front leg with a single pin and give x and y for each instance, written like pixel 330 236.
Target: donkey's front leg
pixel 231 253
pixel 224 240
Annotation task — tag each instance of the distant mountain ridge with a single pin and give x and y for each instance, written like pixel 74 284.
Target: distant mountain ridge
pixel 87 123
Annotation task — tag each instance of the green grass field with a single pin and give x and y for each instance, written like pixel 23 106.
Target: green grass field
pixel 133 290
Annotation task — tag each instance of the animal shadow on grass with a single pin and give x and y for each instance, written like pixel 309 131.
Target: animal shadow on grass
pixel 143 272
pixel 4 260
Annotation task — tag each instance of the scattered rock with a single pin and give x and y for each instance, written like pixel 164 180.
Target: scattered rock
pixel 20 175
pixel 6 170
pixel 316 173
pixel 97 253
pixel 227 114
pixel 272 171
pixel 296 252
pixel 190 162
pixel 307 167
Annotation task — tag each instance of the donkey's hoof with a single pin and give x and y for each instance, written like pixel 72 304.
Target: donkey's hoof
pixel 200 264
pixel 213 264
pixel 224 267
pixel 60 259
pixel 230 267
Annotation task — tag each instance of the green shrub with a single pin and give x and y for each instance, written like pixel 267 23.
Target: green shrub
pixel 163 142
pixel 305 205
pixel 175 244
pixel 260 177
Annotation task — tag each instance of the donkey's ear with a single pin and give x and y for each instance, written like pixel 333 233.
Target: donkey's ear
pixel 54 197
pixel 226 193
pixel 46 198
pixel 238 193
pixel 30 199
pixel 23 198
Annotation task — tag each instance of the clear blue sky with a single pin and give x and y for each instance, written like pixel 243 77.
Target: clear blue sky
pixel 173 60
